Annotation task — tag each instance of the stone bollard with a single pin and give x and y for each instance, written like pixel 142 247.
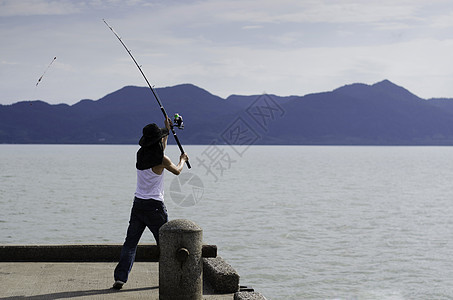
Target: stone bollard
pixel 180 262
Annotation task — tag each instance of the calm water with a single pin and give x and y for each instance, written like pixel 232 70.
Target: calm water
pixel 295 222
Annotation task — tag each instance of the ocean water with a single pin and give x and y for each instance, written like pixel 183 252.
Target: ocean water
pixel 296 222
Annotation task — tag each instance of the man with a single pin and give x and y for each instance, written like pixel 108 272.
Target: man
pixel 148 209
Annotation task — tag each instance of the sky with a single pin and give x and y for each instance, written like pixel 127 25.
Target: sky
pixel 242 47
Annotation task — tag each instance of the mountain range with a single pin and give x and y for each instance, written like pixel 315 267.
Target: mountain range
pixel 356 114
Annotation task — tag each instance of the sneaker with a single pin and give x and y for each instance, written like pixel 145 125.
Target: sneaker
pixel 118 285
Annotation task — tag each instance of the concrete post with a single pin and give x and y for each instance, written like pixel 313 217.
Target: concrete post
pixel 180 262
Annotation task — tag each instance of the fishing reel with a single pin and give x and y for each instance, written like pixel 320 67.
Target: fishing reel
pixel 178 122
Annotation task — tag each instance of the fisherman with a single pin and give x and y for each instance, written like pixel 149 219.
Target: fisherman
pixel 148 209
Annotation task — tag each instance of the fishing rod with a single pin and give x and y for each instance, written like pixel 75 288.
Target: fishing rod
pixel 153 91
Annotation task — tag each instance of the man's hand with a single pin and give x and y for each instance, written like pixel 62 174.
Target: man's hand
pixel 168 123
pixel 184 157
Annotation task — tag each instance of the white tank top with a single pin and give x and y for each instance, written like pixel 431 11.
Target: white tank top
pixel 150 185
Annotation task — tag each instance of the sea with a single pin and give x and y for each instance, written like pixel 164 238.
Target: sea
pixel 296 222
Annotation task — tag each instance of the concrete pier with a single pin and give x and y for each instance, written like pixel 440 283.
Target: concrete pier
pixel 86 272
pixel 181 268
pixel 82 281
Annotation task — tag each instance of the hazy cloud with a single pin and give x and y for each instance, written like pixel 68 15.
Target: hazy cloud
pixel 244 47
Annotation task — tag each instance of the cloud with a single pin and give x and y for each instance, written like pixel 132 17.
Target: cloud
pixel 442 21
pixel 252 27
pixel 420 65
pixel 290 23
pixel 312 11
pixel 248 46
pixel 12 8
pixel 8 63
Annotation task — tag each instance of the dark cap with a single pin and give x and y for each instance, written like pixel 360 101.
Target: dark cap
pixel 152 134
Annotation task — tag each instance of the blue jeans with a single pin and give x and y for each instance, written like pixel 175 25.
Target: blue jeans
pixel 145 213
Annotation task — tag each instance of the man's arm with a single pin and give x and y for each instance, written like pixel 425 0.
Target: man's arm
pixel 175 169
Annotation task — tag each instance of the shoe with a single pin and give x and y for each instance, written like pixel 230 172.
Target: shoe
pixel 118 285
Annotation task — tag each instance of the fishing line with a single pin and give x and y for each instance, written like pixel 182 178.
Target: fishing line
pixel 150 87
pixel 40 78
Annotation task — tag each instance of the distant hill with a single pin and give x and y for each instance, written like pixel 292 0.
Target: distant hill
pixel 355 114
pixel 380 114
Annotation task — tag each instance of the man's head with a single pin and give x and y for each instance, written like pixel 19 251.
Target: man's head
pixel 152 134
